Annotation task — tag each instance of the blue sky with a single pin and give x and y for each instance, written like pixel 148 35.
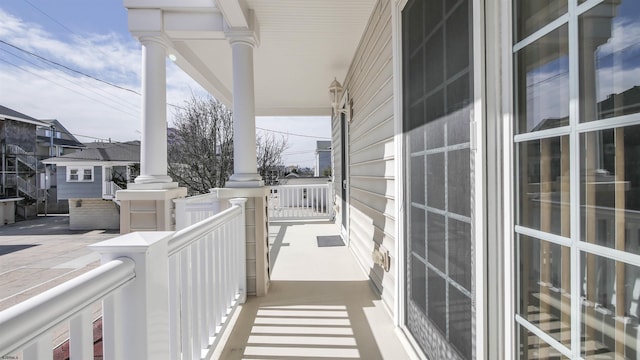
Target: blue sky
pixel 91 36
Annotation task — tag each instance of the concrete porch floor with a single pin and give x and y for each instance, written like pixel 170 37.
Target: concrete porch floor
pixel 320 305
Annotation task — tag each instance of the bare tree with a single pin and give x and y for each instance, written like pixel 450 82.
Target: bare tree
pixel 200 148
pixel 270 149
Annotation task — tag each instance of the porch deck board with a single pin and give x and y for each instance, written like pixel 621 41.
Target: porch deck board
pixel 320 305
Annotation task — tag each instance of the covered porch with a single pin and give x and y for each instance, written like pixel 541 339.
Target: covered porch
pixel 320 304
pixel 228 283
pixel 182 295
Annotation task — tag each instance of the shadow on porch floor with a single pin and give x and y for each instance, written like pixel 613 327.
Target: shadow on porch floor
pixel 320 305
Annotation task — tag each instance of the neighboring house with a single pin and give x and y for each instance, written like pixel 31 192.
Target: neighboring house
pixel 20 168
pixel 323 158
pixel 89 178
pixel 469 143
pixel 53 140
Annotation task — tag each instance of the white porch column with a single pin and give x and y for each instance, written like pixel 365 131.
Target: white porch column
pixel 245 173
pixel 147 204
pixel 153 146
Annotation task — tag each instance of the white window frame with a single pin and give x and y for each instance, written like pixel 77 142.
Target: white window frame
pixel 478 149
pixel 573 131
pixel 80 172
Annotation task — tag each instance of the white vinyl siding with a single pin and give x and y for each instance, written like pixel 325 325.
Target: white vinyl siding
pixel 369 84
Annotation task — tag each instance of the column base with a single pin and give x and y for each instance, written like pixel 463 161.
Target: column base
pixel 153 179
pixel 244 184
pixel 148 209
pixel 245 180
pixel 152 186
pixel 257 230
pixel 252 178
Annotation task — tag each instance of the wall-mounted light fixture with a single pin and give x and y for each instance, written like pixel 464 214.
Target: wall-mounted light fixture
pixel 335 96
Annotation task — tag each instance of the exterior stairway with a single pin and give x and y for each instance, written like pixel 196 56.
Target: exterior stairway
pixel 26 167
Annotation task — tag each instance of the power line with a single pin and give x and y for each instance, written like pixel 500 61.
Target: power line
pixel 291 134
pixel 47 15
pixel 120 103
pixel 55 83
pixel 80 72
pixel 68 68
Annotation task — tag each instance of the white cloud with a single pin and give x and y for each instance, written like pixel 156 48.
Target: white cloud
pixel 87 107
pixel 624 35
pixel 83 105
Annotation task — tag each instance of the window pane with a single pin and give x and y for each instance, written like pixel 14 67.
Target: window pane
pixel 532 15
pixel 437 93
pixel 436 241
pixel 532 347
pixel 418 232
pixel 610 316
pixel 544 297
pixel 543 185
pixel 460 252
pixel 458 41
pixel 610 188
pixel 418 283
pixel 87 174
pixel 609 67
pixel 460 321
pixel 435 181
pixel 437 300
pixel 542 83
pixel 417 179
pixel 459 181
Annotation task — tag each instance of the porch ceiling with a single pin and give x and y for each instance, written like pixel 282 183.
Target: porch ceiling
pixel 303 46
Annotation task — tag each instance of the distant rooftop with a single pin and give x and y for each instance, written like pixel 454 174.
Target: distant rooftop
pixel 100 151
pixel 10 114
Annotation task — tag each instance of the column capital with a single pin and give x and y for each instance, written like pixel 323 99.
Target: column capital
pixel 159 38
pixel 247 35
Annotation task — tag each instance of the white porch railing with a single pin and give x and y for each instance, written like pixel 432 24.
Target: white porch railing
pixel 27 325
pixel 110 190
pixel 166 295
pixel 197 208
pixel 292 202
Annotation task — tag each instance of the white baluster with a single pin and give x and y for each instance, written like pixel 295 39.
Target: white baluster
pixel 112 326
pixel 185 314
pixel 81 335
pixel 209 291
pixel 174 305
pixel 202 285
pixel 240 236
pixel 219 278
pixel 40 350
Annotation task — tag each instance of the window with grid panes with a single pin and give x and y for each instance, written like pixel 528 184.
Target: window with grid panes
pixel 577 178
pixel 437 95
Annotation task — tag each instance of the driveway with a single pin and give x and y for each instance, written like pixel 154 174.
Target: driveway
pixel 38 254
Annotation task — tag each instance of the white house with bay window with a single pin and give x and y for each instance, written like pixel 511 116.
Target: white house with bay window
pixel 485 155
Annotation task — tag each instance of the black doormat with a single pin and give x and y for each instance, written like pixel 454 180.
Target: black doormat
pixel 330 240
